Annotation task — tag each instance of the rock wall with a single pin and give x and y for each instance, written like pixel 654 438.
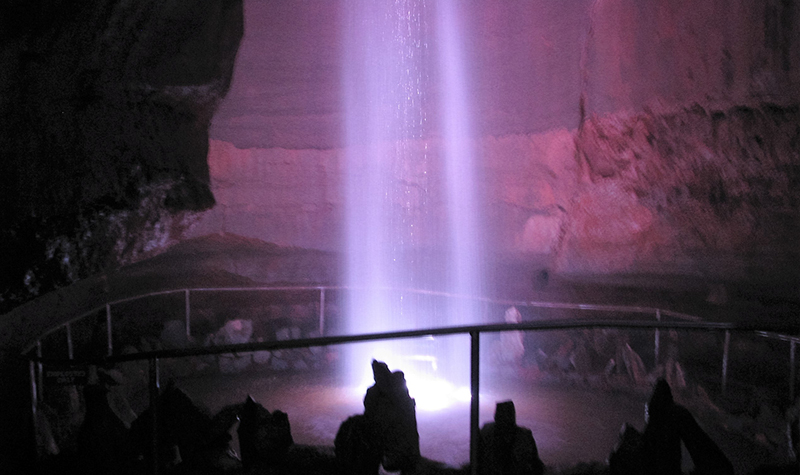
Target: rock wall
pixel 667 55
pixel 692 191
pixel 613 136
pixel 616 136
pixel 104 131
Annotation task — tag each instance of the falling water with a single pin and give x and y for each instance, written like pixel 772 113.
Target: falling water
pixel 412 218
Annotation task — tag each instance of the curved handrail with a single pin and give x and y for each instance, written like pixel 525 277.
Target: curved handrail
pixel 522 303
pixel 540 325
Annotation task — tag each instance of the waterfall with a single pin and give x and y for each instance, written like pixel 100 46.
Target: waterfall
pixel 413 221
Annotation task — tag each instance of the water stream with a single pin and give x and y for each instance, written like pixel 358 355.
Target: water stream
pixel 413 219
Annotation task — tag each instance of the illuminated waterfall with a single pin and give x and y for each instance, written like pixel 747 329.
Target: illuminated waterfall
pixel 412 217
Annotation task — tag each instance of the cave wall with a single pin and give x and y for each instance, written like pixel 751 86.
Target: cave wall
pixel 700 190
pixel 613 136
pixel 690 129
pixel 617 136
pixel 104 131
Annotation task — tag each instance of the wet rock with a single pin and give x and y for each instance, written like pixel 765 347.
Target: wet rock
pixel 581 360
pixel 633 364
pixel 300 365
pixel 234 363
pixel 261 357
pixel 234 332
pixel 278 364
pixel 288 333
pixel 174 335
pixel 561 358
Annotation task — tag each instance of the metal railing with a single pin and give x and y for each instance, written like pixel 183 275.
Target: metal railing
pixel 687 322
pixel 658 313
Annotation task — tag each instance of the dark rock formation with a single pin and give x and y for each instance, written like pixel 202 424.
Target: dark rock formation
pixel 506 448
pixel 264 437
pixel 356 446
pixel 658 449
pixel 386 434
pixel 392 412
pixel 185 432
pixel 106 108
pixel 102 439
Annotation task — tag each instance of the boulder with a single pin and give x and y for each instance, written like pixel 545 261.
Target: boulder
pixel 658 449
pixel 356 446
pixel 234 332
pixel 506 448
pixel 264 437
pixel 184 431
pixel 634 364
pixel 626 458
pixel 173 335
pixel 392 412
pixel 386 434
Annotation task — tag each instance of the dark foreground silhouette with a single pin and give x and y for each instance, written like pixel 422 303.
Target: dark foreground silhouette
pixel 384 437
pixel 657 451
pixel 506 448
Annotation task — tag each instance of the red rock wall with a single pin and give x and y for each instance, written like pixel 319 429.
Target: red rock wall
pixel 616 136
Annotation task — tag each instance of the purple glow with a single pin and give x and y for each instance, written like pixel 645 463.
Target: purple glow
pixel 412 219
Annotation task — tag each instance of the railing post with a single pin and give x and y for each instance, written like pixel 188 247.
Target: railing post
pixel 39 373
pixel 321 311
pixel 792 370
pixel 474 429
pixel 34 404
pixel 153 393
pixel 70 349
pixel 108 330
pixel 725 352
pixel 658 338
pixel 188 314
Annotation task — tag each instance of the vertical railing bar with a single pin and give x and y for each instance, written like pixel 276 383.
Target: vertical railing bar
pixel 474 429
pixel 153 393
pixel 34 403
pixel 321 311
pixel 70 348
pixel 792 369
pixel 39 372
pixel 108 330
pixel 188 315
pixel 658 338
pixel 725 353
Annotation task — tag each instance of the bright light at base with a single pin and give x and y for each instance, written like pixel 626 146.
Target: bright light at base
pixel 433 394
pixel 430 393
